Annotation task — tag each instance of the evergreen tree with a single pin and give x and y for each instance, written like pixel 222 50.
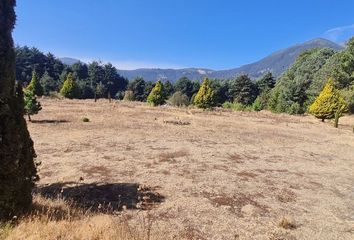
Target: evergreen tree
pixel 35 85
pixel 147 90
pixel 185 86
pixel 266 82
pixel 169 89
pixel 100 90
pixel 157 95
pixel 96 73
pixel 205 96
pixel 70 88
pixel 32 106
pixel 221 89
pixel 137 86
pixel 328 102
pixel 243 90
pixel 48 84
pixel 261 101
pixel 17 167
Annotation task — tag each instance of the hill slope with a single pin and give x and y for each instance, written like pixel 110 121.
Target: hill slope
pixel 277 63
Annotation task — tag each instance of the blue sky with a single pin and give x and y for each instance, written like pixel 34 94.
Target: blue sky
pixel 215 34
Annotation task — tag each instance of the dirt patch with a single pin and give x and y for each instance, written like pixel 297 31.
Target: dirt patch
pixel 92 171
pixel 235 202
pixel 286 196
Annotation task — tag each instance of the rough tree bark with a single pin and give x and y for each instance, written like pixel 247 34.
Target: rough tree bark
pixel 17 166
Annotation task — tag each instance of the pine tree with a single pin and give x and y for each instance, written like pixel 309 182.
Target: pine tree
pixel 157 95
pixel 35 86
pixel 243 90
pixel 328 102
pixel 70 88
pixel 48 83
pixel 17 167
pixel 266 82
pixel 205 96
pixel 32 106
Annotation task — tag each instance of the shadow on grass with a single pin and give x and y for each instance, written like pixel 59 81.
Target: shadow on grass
pixel 49 121
pixel 103 197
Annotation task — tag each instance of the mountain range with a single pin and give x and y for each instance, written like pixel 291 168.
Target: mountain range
pixel 276 63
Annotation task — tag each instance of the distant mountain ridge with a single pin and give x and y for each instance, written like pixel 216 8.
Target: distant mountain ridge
pixel 69 61
pixel 276 63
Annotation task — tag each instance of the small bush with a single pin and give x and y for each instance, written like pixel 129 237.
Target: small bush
pixel 128 96
pixel 237 106
pixel 287 223
pixel 257 105
pixel 54 95
pixel 85 119
pixel 120 95
pixel 178 99
pixel 295 108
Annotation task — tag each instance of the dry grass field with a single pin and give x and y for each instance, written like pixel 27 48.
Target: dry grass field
pixel 168 173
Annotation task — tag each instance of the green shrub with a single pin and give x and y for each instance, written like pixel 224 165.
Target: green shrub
pixel 237 106
pixel 295 108
pixel 85 119
pixel 120 95
pixel 178 99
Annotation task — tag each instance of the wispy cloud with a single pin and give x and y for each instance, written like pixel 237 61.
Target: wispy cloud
pixel 339 34
pixel 132 64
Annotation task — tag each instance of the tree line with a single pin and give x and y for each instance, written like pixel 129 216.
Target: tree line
pixel 293 92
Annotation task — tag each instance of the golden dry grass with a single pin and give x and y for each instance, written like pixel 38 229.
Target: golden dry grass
pixel 225 175
pixel 58 219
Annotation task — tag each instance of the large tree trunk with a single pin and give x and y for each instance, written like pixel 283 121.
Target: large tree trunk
pixel 17 167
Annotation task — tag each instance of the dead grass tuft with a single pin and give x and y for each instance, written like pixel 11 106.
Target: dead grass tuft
pixel 59 219
pixel 287 223
pixel 171 156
